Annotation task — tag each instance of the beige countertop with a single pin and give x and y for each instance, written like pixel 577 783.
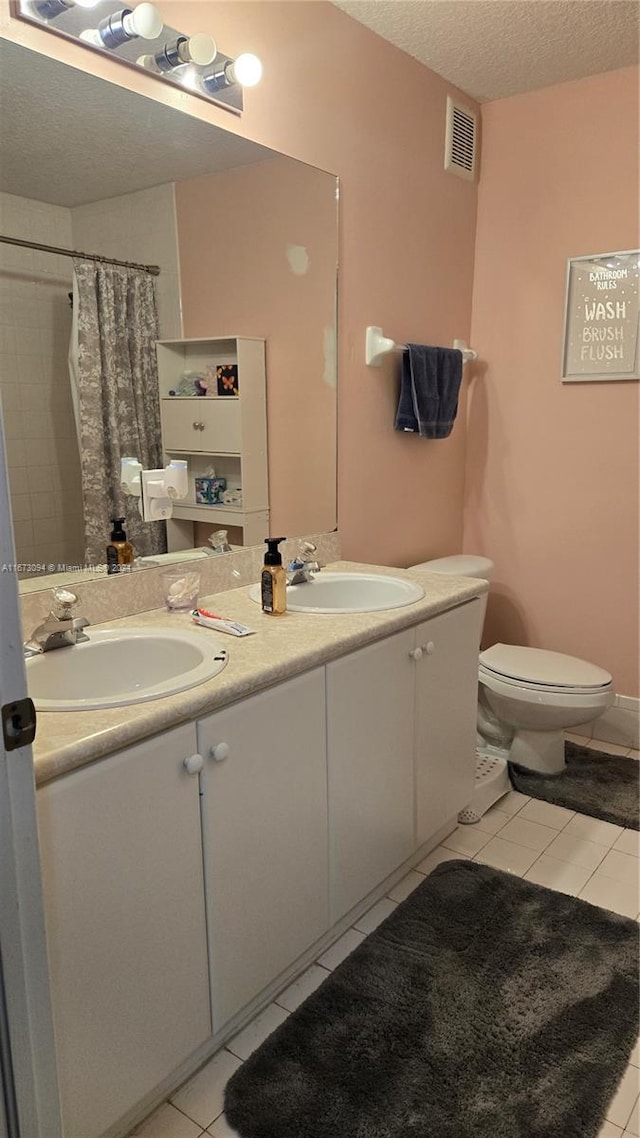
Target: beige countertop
pixel 283 646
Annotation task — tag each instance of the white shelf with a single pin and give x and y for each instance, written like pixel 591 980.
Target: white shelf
pixel 203 512
pixel 226 432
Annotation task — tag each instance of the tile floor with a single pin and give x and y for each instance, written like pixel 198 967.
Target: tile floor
pixel 546 844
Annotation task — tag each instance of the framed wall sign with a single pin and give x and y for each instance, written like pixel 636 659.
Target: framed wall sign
pixel 601 318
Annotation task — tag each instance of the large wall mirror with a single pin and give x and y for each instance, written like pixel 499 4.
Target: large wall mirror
pixel 246 241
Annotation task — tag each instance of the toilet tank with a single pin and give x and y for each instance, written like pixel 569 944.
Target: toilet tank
pixel 462 565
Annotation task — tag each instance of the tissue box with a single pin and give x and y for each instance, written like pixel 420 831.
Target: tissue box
pixel 209 491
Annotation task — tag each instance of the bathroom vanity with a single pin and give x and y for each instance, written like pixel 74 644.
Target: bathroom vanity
pixel 200 851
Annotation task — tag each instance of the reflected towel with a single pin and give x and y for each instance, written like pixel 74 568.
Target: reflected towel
pixel 429 388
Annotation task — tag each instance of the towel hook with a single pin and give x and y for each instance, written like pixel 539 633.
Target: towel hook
pixel 377 345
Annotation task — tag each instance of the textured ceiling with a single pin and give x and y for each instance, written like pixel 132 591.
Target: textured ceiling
pixel 87 139
pixel 495 48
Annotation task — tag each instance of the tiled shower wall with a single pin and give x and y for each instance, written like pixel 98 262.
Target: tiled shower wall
pixel 35 325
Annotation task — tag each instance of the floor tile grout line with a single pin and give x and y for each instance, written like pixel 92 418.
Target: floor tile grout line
pixel 576 814
pixel 314 964
pixel 195 1120
pixel 169 1102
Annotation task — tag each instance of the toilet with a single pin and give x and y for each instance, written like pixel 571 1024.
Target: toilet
pixel 537 696
pixel 528 697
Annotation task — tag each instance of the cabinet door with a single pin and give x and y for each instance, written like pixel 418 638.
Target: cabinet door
pixel 370 707
pixel 209 425
pixel 265 837
pixel 446 702
pixel 124 903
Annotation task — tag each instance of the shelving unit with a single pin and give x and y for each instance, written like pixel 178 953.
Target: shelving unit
pixel 226 432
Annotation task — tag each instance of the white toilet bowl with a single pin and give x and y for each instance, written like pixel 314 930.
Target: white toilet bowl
pixel 527 696
pixel 539 695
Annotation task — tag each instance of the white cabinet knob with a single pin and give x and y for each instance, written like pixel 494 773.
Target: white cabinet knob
pixel 194 764
pixel 415 654
pixel 220 752
pixel 429 648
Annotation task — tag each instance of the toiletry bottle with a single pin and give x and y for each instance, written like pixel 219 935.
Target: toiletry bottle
pixel 273 581
pixel 119 550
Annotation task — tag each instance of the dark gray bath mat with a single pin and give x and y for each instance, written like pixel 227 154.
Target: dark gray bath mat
pixel 603 786
pixel 483 1007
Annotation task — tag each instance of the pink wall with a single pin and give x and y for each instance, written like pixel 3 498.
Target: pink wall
pixel 337 96
pixel 236 230
pixel 552 469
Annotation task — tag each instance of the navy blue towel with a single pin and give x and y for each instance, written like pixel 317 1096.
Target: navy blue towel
pixel 429 390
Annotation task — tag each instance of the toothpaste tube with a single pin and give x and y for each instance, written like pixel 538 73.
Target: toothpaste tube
pixel 220 623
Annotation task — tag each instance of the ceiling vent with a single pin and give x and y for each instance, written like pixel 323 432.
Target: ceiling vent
pixel 460 140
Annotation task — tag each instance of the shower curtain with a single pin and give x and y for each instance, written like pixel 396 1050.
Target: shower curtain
pixel 117 399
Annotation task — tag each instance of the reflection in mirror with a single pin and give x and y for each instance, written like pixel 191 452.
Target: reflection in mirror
pixel 246 243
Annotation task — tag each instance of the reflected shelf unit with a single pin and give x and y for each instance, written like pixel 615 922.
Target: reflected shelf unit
pixel 225 432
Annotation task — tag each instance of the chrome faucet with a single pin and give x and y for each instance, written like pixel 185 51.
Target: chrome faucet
pixel 61 629
pixel 302 568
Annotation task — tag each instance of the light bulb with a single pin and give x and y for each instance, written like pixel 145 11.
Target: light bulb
pixel 92 35
pixel 245 70
pixel 144 22
pixel 200 49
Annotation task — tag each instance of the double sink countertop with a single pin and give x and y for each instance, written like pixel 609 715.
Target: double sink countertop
pixel 283 647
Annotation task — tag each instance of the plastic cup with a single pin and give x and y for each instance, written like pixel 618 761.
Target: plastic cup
pixel 181 588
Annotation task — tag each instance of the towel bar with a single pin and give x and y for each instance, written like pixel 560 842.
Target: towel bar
pixel 377 345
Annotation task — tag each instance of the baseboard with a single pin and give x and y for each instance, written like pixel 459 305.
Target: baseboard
pixel 619 725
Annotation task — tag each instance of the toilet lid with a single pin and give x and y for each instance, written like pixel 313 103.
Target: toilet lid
pixel 537 666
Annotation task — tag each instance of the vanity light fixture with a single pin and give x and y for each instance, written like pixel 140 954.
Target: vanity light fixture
pixel 199 49
pixel 144 21
pixel 117 27
pixel 245 71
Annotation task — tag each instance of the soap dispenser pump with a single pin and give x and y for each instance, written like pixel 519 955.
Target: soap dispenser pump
pixel 273 580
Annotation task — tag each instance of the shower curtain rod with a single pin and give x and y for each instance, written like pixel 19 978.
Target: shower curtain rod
pixel 154 270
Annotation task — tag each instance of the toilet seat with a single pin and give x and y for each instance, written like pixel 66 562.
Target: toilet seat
pixel 539 670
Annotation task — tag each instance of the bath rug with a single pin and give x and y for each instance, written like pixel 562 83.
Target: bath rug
pixel 603 786
pixel 483 1007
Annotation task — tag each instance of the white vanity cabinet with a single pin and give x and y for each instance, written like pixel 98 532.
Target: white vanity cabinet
pixel 370 713
pixel 122 873
pixel 401 723
pixel 446 671
pixel 179 892
pixel 264 817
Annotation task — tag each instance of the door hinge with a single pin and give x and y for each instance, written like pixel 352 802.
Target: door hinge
pixel 18 724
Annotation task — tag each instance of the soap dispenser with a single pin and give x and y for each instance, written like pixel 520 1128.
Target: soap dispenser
pixel 119 550
pixel 273 580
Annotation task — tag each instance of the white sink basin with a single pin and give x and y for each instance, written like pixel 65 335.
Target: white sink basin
pixel 114 668
pixel 349 592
